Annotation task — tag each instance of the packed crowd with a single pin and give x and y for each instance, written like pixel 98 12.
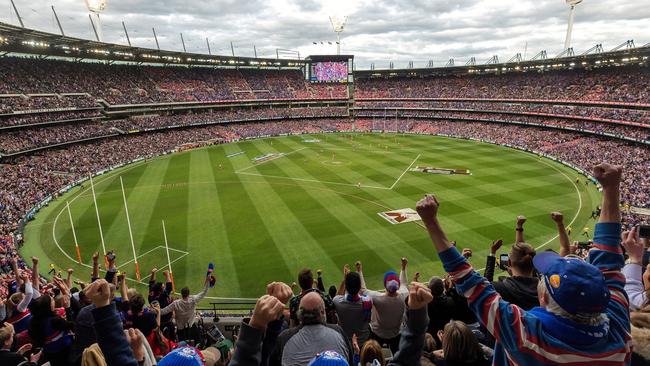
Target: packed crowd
pixel 12 100
pixel 604 114
pixel 622 84
pixel 131 84
pixel 47 118
pixel 40 136
pixel 579 304
pixel 637 133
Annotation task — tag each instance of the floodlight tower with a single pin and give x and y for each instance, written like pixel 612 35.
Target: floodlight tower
pixel 338 25
pixel 572 12
pixel 94 8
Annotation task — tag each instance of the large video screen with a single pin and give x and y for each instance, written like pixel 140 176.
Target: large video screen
pixel 329 71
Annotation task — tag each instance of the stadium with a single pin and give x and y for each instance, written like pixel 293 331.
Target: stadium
pixel 285 176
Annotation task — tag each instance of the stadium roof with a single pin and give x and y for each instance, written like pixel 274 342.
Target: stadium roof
pixel 624 54
pixel 14 39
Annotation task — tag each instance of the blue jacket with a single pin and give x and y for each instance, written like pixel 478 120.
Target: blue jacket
pixel 537 337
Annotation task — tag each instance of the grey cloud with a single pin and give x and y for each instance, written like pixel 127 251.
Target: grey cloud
pixel 377 31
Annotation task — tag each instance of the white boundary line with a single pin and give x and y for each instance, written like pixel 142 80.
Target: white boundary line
pixel 80 194
pixel 405 170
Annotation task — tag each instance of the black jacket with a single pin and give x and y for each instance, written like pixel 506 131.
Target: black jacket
pixel 521 291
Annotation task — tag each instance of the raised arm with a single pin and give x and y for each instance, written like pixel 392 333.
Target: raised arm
pixel 633 270
pixel 95 275
pixel 29 293
pixel 565 244
pixel 198 297
pixel 359 267
pixel 403 276
pixel 341 290
pixel 487 305
pixel 607 254
pixel 412 340
pixel 152 277
pixel 492 259
pixel 319 281
pixel 519 229
pixel 108 327
pixel 36 280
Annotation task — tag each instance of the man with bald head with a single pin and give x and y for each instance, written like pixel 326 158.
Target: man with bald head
pixel 297 346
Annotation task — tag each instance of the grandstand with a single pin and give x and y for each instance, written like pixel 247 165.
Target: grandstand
pixel 72 108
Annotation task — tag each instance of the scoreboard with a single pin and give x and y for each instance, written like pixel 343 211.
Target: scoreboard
pixel 330 68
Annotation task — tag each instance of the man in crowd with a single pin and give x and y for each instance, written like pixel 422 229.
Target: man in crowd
pixel 353 309
pixel 388 308
pixel 185 310
pixel 584 314
pixel 298 345
pixel 269 309
pixel 306 283
pixel 520 288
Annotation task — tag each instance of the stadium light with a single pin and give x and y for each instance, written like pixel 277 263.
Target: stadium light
pixel 572 12
pixel 338 25
pixel 94 8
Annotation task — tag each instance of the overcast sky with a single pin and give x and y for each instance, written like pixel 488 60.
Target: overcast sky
pixel 377 31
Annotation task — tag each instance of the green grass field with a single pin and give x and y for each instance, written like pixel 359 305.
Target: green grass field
pixel 264 222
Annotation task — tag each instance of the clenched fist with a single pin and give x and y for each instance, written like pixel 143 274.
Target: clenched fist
pixel 267 309
pixel 557 217
pixel 280 291
pixel 427 208
pixel 419 296
pixel 608 175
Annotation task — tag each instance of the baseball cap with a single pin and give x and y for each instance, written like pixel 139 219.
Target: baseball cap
pixel 183 356
pixel 328 358
pixel 577 286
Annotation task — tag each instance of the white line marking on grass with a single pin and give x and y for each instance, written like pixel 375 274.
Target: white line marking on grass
pixel 579 203
pixel 79 193
pixel 574 217
pixel 404 172
pixel 314 181
pixel 281 155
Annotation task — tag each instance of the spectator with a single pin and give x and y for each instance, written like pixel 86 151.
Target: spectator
pixel 185 311
pixel 520 288
pixel 9 358
pixel 352 309
pixel 48 330
pixel 298 345
pixel 306 283
pixel 584 313
pixel 248 351
pixel 388 308
pixel 459 347
pixel 440 309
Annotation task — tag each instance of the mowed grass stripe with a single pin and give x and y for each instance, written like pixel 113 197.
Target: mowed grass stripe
pixel 327 207
pixel 375 233
pixel 276 213
pixel 254 252
pixel 206 224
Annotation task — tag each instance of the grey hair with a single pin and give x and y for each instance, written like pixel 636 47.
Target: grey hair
pixel 553 307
